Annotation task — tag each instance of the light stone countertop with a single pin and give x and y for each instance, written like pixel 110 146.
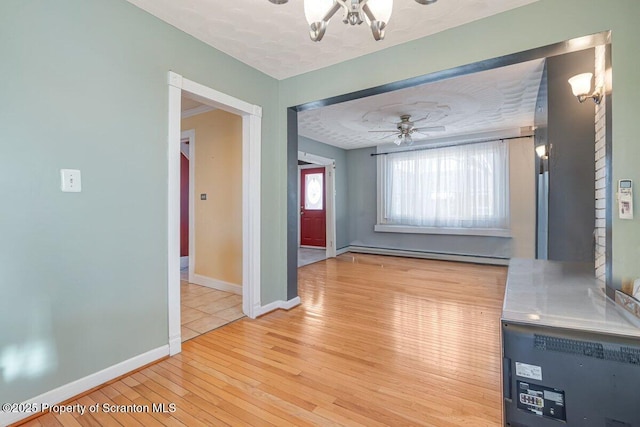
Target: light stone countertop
pixel 562 295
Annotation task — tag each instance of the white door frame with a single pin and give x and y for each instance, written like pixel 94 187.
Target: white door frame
pixel 330 194
pixel 251 152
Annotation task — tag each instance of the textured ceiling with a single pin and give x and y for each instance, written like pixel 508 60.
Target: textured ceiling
pixel 275 40
pixel 502 98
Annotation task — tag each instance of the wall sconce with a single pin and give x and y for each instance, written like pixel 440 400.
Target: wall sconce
pixel 581 86
pixel 541 151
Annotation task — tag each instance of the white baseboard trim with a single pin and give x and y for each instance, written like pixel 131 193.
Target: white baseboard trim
pixel 342 251
pixel 77 387
pixel 175 345
pixel 284 305
pixel 216 284
pixel 429 255
pixel 184 262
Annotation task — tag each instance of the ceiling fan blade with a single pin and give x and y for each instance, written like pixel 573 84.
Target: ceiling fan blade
pixel 430 129
pixel 387 131
pixel 383 138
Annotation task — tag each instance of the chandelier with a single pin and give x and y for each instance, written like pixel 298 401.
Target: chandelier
pixel 375 13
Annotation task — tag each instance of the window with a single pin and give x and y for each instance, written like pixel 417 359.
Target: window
pixel 461 187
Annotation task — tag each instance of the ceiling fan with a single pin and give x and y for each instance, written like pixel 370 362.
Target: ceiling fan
pixel 405 129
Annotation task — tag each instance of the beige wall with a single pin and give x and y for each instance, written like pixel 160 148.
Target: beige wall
pixel 522 195
pixel 218 173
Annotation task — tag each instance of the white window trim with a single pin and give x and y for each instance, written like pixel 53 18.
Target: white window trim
pixel 383 227
pixel 491 232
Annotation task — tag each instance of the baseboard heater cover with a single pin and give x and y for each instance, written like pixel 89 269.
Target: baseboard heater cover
pixel 443 256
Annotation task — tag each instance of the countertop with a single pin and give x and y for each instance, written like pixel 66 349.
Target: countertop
pixel 562 295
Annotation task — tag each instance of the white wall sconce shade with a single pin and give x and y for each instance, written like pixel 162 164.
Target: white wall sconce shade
pixel 581 86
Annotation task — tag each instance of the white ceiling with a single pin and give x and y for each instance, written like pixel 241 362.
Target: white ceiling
pixel 498 99
pixel 189 104
pixel 275 40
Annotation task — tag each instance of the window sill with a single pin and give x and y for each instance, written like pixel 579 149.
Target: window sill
pixel 489 232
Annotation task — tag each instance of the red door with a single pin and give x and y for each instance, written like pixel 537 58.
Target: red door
pixel 313 211
pixel 184 206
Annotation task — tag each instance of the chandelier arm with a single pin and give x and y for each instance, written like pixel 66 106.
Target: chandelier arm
pixel 317 30
pixel 343 4
pixel 377 27
pixel 367 11
pixel 336 7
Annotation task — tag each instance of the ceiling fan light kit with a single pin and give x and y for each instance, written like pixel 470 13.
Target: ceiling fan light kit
pixel 376 13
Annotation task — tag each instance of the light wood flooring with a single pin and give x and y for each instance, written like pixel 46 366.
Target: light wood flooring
pixel 378 341
pixel 204 309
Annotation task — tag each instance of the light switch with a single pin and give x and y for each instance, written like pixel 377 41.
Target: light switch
pixel 71 182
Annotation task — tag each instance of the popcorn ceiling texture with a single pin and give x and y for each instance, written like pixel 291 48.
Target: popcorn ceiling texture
pixel 275 38
pixel 502 98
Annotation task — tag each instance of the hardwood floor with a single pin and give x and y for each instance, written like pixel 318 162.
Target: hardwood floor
pixel 378 341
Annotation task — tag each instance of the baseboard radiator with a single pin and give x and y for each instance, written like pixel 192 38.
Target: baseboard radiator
pixel 443 256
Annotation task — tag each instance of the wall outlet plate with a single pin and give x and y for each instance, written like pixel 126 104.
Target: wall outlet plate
pixel 70 181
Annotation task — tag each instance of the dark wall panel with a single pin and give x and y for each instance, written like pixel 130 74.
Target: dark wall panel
pixel 292 203
pixel 571 133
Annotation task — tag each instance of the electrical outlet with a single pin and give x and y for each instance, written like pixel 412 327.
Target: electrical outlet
pixel 70 181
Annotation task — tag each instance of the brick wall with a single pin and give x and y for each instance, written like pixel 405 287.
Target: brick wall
pixel 601 169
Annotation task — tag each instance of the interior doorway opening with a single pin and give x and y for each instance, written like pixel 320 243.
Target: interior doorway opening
pixel 251 117
pixel 316 201
pixel 210 219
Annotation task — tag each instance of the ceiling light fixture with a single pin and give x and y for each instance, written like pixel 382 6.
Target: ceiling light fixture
pixel 375 12
pixel 405 138
pixel 581 86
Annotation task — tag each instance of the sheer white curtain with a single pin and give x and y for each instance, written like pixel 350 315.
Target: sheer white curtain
pixel 456 187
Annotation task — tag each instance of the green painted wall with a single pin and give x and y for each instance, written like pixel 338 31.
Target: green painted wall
pixel 83 276
pixel 539 24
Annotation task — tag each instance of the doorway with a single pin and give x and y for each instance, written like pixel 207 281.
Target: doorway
pixel 316 239
pixel 251 152
pixel 211 284
pixel 596 40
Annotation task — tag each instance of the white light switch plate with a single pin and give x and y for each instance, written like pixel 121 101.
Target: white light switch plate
pixel 70 180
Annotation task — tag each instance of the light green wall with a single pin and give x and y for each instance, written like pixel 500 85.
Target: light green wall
pixel 84 85
pixel 539 24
